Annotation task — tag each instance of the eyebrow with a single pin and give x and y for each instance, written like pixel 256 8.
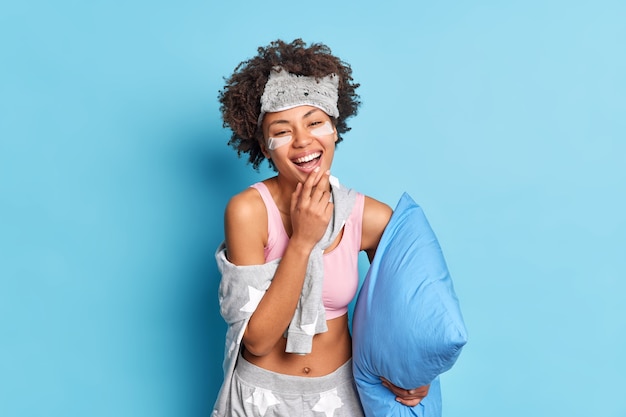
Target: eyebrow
pixel 310 112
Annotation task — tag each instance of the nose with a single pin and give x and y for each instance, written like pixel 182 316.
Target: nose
pixel 302 138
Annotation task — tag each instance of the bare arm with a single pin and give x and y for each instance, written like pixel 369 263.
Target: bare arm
pixel 245 233
pixel 376 215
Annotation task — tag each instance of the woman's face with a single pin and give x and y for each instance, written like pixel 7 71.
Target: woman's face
pixel 299 140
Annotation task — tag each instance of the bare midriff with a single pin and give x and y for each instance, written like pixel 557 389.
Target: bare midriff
pixel 330 350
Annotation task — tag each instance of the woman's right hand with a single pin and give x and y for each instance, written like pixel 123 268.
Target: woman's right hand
pixel 311 208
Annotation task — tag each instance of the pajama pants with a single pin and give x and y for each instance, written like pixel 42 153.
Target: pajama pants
pixel 257 392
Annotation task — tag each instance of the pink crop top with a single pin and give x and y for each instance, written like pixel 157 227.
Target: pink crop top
pixel 341 272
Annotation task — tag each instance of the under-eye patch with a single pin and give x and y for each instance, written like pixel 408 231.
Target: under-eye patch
pixel 273 143
pixel 323 130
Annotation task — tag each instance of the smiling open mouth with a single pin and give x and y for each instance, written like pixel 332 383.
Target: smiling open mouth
pixel 307 159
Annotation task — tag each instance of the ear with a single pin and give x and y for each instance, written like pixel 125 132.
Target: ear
pixel 264 150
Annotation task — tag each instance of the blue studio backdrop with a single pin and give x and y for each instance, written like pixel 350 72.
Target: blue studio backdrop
pixel 503 120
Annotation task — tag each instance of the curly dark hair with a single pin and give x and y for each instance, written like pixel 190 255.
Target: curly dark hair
pixel 240 99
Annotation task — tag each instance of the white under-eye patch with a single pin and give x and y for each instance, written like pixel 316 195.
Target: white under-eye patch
pixel 273 143
pixel 323 130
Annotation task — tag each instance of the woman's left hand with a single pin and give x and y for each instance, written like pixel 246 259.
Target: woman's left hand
pixel 408 397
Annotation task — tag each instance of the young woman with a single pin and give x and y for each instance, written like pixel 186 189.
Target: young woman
pixel 289 260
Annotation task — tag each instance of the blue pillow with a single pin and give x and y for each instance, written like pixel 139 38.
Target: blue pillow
pixel 407 324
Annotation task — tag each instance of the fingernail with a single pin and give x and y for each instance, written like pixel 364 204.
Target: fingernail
pixel 328 172
pixel 316 169
pixel 411 391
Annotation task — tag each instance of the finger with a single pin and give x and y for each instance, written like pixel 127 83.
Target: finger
pixel 408 403
pixel 400 391
pixel 419 391
pixel 322 189
pixel 321 196
pixel 324 180
pixel 390 387
pixel 295 195
pixel 328 210
pixel 408 395
pixel 310 182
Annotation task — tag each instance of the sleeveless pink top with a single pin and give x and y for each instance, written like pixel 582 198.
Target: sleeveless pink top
pixel 341 272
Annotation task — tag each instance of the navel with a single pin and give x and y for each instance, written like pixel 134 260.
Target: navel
pixel 306 370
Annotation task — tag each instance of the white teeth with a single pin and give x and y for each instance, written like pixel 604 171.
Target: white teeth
pixel 307 158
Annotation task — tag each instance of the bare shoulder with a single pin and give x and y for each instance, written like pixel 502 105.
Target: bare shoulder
pixel 245 228
pixel 376 215
pixel 245 207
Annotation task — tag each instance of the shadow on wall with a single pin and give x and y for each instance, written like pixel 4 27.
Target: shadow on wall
pixel 214 174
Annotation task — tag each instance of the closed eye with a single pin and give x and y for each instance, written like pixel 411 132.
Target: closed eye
pixel 280 133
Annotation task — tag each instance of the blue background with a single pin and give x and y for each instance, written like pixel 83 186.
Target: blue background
pixel 504 120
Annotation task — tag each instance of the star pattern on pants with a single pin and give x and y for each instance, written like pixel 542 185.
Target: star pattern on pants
pixel 262 399
pixel 254 297
pixel 329 401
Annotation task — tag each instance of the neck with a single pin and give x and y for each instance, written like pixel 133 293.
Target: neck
pixel 281 191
